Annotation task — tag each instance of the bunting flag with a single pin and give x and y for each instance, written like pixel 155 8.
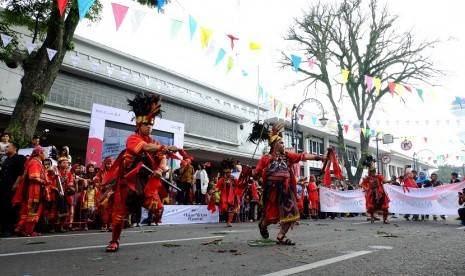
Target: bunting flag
pixel 399 89
pixel 94 66
pixel 30 47
pixel 136 19
pixel 345 76
pixel 135 78
pixel 147 81
pixel 51 53
pixel 205 35
pixel 74 60
pixel 160 4
pixel 230 64
pixel 459 101
pixel 6 39
pixel 210 48
pixel 124 76
pixel 296 60
pixel 408 88
pixel 244 73
pixel 377 83
pixel 369 82
pixel 84 6
pixel 62 6
pixel 311 63
pixel 192 26
pixel 420 94
pixel 346 128
pixel 119 13
pixel 392 87
pixel 314 120
pixel 254 46
pixel 175 26
pixel 232 38
pixel 220 56
pixel 259 90
pixel 110 71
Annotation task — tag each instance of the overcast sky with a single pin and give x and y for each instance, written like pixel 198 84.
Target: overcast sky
pixel 265 22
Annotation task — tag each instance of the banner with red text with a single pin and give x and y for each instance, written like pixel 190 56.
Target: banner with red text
pixel 441 200
pixel 352 201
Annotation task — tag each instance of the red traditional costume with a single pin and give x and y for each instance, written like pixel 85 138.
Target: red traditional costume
pixel 313 196
pixel 277 172
pixel 51 191
pixel 376 197
pixel 133 185
pixel 103 208
pixel 229 192
pixel 31 193
pixel 66 203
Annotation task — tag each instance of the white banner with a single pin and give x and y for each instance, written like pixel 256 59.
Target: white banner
pixel 352 201
pixel 186 214
pixel 441 200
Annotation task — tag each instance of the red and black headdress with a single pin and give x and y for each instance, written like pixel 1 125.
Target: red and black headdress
pixel 146 106
pixel 265 132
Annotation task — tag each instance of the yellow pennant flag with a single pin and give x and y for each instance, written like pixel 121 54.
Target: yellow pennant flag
pixel 230 64
pixel 433 95
pixel 399 89
pixel 255 46
pixel 345 76
pixel 205 35
pixel 377 83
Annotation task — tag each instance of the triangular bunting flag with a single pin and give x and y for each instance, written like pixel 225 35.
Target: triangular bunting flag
pixel 95 65
pixel 346 128
pixel 230 64
pixel 110 71
pixel 296 60
pixel 6 39
pixel 232 38
pixel 160 4
pixel 244 73
pixel 135 78
pixel 175 26
pixel 51 53
pixel 314 120
pixel 345 76
pixel 369 82
pixel 124 75
pixel 147 81
pixel 62 6
pixel 220 56
pixel 84 6
pixel 30 47
pixel 399 89
pixel 119 13
pixel 311 63
pixel 136 19
pixel 74 60
pixel 377 83
pixel 426 139
pixel 192 26
pixel 210 48
pixel 420 94
pixel 205 35
pixel 392 87
pixel 408 88
pixel 254 46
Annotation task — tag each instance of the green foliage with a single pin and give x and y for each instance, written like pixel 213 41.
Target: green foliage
pixel 444 172
pixel 17 136
pixel 39 99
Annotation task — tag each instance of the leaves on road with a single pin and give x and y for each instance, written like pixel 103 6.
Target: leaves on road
pixel 169 245
pixel 386 234
pixel 213 242
pixel 262 242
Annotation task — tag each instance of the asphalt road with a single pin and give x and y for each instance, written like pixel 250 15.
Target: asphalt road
pixel 348 246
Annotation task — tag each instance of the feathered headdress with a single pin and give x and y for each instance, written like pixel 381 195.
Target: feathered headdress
pixel 261 132
pixel 228 164
pixel 369 163
pixel 146 106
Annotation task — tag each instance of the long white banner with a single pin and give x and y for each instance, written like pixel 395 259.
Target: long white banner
pixel 186 214
pixel 342 201
pixel 441 200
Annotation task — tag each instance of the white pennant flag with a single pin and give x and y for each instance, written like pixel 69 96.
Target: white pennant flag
pixel 110 71
pixel 147 81
pixel 95 66
pixel 124 75
pixel 135 78
pixel 30 47
pixel 74 60
pixel 51 53
pixel 158 85
pixel 137 18
pixel 210 48
pixel 6 39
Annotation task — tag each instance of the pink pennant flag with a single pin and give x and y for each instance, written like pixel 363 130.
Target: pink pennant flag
pixel 408 88
pixel 391 86
pixel 457 157
pixel 346 128
pixel 311 63
pixel 232 38
pixel 426 139
pixel 369 82
pixel 119 12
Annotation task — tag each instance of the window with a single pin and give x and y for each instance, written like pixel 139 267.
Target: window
pixel 316 146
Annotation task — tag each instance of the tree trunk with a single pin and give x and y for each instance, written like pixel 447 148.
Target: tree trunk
pixel 40 74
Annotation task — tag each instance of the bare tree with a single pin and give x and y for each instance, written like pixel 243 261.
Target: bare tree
pixel 362 39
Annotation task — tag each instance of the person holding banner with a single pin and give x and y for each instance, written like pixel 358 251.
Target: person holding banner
pixel 277 172
pixel 376 197
pixel 135 176
pixel 461 211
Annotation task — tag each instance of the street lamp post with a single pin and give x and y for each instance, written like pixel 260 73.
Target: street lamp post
pixel 295 119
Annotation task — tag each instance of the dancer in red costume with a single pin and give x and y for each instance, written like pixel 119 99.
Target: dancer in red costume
pixel 102 196
pixel 230 194
pixel 277 172
pixel 31 193
pixel 376 197
pixel 133 185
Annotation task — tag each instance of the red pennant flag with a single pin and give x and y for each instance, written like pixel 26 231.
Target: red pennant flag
pixel 346 128
pixel 62 6
pixel 426 139
pixel 457 157
pixel 232 40
pixel 392 86
pixel 207 164
pixel 408 88
pixel 119 12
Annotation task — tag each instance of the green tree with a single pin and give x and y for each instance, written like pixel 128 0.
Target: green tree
pixel 48 30
pixel 363 40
